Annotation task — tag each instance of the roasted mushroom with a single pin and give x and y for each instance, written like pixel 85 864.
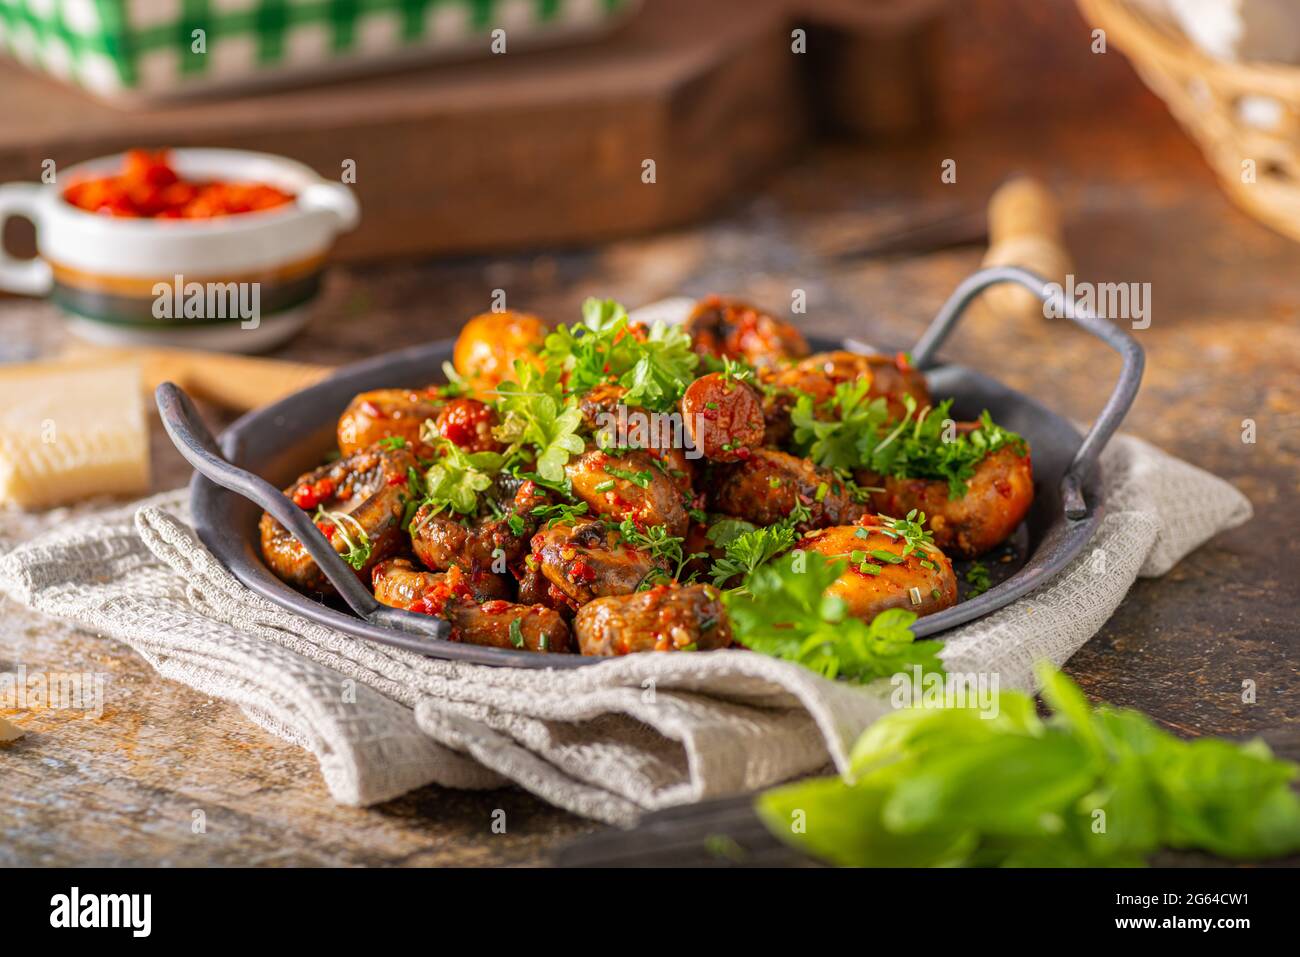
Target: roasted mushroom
pixel 664 618
pixel 769 485
pixel 998 497
pixel 891 379
pixel 358 501
pixel 590 560
pixel 728 328
pixel 493 544
pixel 878 575
pixel 629 485
pixel 495 623
pixel 388 413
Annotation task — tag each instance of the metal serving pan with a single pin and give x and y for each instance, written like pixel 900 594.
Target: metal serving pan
pixel 268 448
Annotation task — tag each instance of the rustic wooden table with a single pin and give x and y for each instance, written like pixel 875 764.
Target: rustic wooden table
pixel 1222 347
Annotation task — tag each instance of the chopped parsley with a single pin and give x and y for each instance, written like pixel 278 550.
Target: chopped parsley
pixel 535 415
pixel 640 479
pixel 655 366
pixel 656 541
pixel 850 432
pixel 561 514
pixel 455 480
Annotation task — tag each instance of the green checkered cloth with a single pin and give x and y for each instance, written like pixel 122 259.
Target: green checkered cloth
pixel 168 46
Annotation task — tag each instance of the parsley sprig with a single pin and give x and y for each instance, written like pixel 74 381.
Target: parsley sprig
pixel 849 432
pixel 921 447
pixel 746 547
pixel 535 414
pixel 849 424
pixel 456 478
pixel 786 613
pixel 749 549
pixel 654 366
pixel 656 541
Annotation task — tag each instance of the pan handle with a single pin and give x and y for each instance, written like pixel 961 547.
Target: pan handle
pixel 193 440
pixel 1117 405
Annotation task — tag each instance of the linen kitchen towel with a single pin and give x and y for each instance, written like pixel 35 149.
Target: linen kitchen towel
pixel 609 742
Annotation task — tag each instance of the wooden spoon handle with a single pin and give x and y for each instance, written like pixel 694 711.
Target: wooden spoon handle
pixel 1025 230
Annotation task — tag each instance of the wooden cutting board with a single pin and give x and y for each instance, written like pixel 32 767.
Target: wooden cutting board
pixel 547 147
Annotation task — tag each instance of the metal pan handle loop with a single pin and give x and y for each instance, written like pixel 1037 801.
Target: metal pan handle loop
pixel 1117 404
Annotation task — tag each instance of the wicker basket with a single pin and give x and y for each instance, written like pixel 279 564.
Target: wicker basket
pixel 1245 116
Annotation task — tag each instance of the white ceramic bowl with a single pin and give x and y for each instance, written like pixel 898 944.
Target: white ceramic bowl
pixel 240 283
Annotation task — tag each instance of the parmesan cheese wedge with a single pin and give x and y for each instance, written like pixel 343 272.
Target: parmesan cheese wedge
pixel 71 430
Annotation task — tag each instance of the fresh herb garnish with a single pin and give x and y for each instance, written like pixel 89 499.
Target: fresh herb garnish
pixel 919 447
pixel 849 423
pixel 516 633
pixel 655 365
pixel 456 385
pixel 455 480
pixel 535 414
pixel 416 491
pixel 640 479
pixel 561 514
pixel 356 543
pixel 726 530
pixel 656 541
pixel 977 577
pixel 737 369
pixel 850 432
pixel 392 442
pixel 786 613
pixel 978 786
pixel 911 530
pixel 748 549
pixel 734 370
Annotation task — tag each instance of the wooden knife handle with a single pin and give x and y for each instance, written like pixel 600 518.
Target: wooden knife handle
pixel 1025 230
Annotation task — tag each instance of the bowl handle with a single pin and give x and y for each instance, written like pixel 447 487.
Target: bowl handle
pixel 1121 397
pixel 28 277
pixel 193 440
pixel 334 198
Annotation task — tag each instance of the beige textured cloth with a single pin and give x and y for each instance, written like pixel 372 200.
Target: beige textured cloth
pixel 610 741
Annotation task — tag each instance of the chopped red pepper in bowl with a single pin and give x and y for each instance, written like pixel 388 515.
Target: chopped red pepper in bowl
pixel 148 187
